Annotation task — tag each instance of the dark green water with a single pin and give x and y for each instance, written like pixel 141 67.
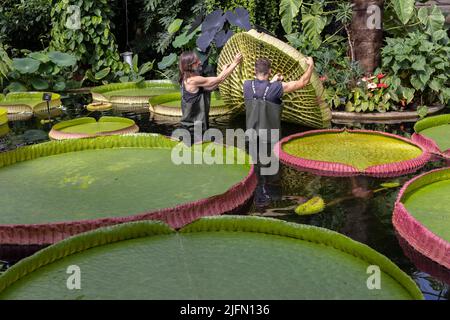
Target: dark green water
pixel 365 219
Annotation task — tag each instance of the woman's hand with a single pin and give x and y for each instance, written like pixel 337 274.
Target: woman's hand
pixel 237 58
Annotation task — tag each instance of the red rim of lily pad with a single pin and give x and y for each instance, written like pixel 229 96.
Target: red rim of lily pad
pixel 336 169
pixel 415 233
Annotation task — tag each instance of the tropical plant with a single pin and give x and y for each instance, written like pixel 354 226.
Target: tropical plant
pixel 207 35
pixel 401 17
pixel 41 71
pixel 84 29
pixel 419 62
pixel 25 23
pixel 137 72
pixel 5 65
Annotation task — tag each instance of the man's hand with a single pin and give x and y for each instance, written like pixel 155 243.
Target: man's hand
pixel 277 77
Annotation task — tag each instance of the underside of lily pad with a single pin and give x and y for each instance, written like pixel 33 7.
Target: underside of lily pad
pixel 351 152
pixel 131 92
pixel 434 134
pixel 60 188
pixel 422 215
pixel 170 105
pixel 22 105
pixel 87 127
pixel 306 106
pixel 232 257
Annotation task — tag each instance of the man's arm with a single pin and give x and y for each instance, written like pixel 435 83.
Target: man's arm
pixel 303 81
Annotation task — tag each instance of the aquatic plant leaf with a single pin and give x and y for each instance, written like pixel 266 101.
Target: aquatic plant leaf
pixel 352 152
pixel 422 214
pixel 219 258
pixel 312 206
pixel 437 129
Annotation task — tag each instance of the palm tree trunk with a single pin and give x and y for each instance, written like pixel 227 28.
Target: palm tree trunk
pixel 366 33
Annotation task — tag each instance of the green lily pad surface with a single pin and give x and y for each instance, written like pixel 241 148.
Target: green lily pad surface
pixel 31 99
pixel 437 128
pixel 106 182
pixel 91 126
pixel 212 258
pixel 430 204
pixel 131 92
pixel 357 149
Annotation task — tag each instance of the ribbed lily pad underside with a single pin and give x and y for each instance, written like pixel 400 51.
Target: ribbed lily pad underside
pixel 359 150
pixel 225 258
pixel 305 106
pixel 103 183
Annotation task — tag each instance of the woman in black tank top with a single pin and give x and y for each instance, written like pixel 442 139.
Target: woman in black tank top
pixel 195 89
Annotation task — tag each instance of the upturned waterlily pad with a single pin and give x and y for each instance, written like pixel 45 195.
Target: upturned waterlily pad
pixel 434 134
pixel 232 257
pixel 87 127
pixel 60 188
pixel 422 215
pixel 22 105
pixel 170 105
pixel 351 152
pixel 306 106
pixel 132 92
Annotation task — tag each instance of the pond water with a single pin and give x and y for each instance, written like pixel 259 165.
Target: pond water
pixel 366 219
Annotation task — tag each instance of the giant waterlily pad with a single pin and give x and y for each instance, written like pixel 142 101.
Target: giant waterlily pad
pixel 351 152
pixel 170 105
pixel 131 92
pixel 213 258
pixel 87 127
pixel 305 106
pixel 422 215
pixel 434 134
pixel 60 188
pixel 22 105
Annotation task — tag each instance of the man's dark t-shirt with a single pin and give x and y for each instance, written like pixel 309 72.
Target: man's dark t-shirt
pixel 274 94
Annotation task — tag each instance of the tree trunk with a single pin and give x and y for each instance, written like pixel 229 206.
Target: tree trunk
pixel 366 33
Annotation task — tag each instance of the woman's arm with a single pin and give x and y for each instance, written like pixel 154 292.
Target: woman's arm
pixel 210 83
pixel 303 81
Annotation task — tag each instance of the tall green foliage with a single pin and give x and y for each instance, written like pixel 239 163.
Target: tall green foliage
pixel 25 23
pixel 5 65
pixel 92 41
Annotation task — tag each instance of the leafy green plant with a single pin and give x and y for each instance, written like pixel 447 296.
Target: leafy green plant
pixel 400 17
pixel 93 43
pixel 137 72
pixel 420 62
pixel 43 71
pixel 5 64
pixel 25 23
